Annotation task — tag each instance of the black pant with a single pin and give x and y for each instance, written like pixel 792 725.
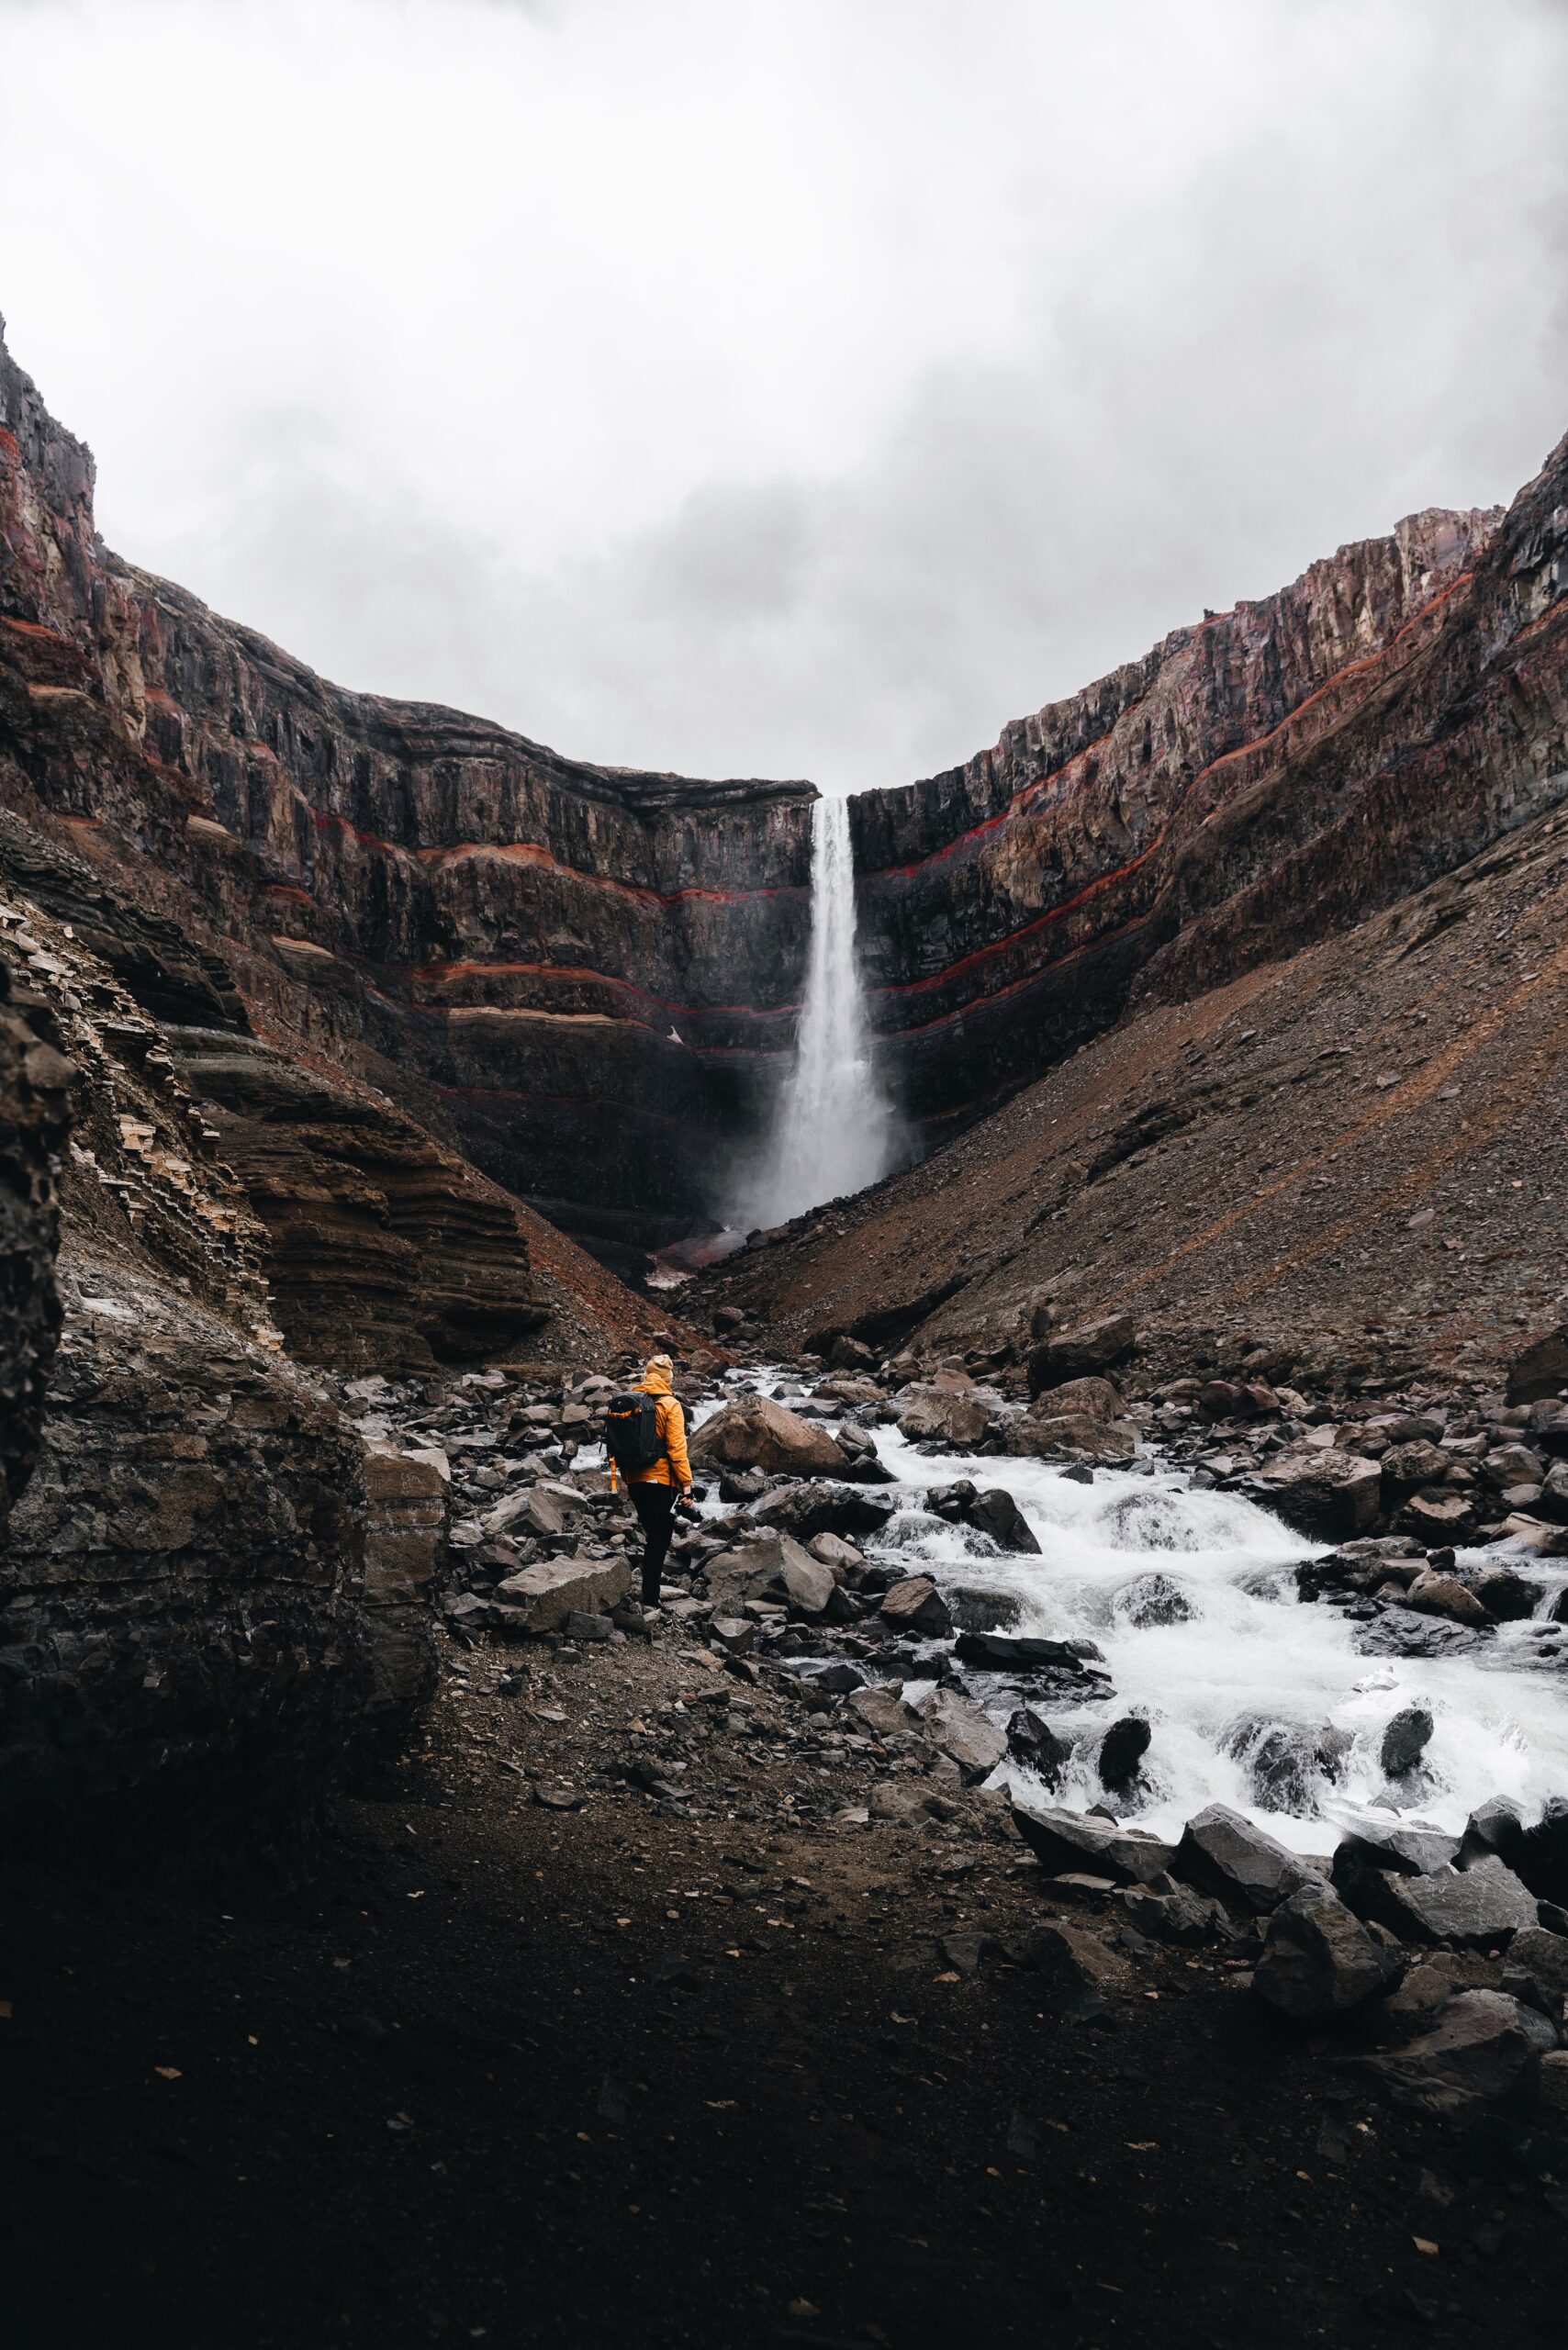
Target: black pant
pixel 655 1506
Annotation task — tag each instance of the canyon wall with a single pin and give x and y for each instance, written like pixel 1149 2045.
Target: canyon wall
pixel 576 971
pixel 585 981
pixel 1255 782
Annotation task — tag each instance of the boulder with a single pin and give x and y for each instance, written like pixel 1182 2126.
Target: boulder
pixel 860 1458
pixel 1474 1908
pixel 850 1354
pixel 836 1552
pixel 1322 1491
pixel 917 1606
pixel 1553 1501
pixel 1088 1348
pixel 1404 1741
pixel 539 1599
pixel 1077 1967
pixel 958 1728
pixel 1437 1518
pixel 1541 1856
pixel 1542 1369
pixel 1434 1594
pixel 1538 1971
pixel 883 1711
pixel 1406 1466
pixel 1122 1750
pixel 808 1587
pixel 1223 1853
pixel 1152 1599
pixel 1064 1436
pixel 807 1510
pixel 770 1565
pixel 1066 1843
pixel 1508 1597
pixel 1319 1959
pixel 1023 1652
pixel 1088 1399
pixel 1404 1852
pixel 931 1415
pixel 995 1513
pixel 1032 1742
pixel 753 1432
pixel 527 1512
pixel 1181 1919
pixel 1485 2049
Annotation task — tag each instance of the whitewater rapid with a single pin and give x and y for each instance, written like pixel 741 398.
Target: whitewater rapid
pixel 1251 1666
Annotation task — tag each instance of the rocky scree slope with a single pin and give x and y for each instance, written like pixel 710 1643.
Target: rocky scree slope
pixel 1357 1155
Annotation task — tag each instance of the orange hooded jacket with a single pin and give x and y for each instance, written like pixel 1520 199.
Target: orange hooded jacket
pixel 670 1421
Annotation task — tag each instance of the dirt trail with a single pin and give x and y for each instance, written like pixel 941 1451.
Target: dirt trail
pixel 475 2082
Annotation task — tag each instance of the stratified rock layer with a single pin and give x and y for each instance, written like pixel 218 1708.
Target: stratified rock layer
pixel 34 1079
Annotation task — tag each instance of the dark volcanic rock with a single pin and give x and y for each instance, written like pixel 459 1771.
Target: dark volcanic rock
pixel 1122 1750
pixel 1542 1369
pixel 201 1591
pixel 808 1510
pixel 1224 1853
pixel 1319 1959
pixel 1024 1654
pixel 1067 1841
pixel 1475 1908
pixel 1032 1741
pixel 1485 2050
pixel 1405 1740
pixel 34 1088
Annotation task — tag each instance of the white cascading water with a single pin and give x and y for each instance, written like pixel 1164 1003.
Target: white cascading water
pixel 835 1129
pixel 1255 1699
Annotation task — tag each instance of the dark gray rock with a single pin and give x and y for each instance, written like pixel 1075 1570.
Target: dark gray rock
pixel 1077 1970
pixel 1223 1853
pixel 1032 1741
pixel 1122 1750
pixel 1318 1958
pixel 1538 1971
pixel 996 1513
pixel 1508 1597
pixel 1181 1919
pixel 1484 2050
pixel 1541 1856
pixel 1023 1653
pixel 1067 1843
pixel 1474 1908
pixel 1406 1740
pixel 805 1510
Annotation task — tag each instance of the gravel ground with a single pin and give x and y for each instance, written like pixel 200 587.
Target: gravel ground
pixel 643 2073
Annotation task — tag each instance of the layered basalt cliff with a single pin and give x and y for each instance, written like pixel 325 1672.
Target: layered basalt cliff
pixel 578 971
pixel 34 1077
pixel 1251 784
pixel 202 1564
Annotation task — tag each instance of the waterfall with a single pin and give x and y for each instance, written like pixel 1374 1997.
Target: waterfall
pixel 835 1130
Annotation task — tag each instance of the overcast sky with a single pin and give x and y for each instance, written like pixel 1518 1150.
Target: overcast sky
pixel 778 386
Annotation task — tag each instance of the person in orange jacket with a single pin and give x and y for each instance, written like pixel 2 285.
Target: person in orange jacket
pixel 655 1492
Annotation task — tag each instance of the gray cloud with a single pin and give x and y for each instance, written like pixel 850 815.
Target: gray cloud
pixel 1012 405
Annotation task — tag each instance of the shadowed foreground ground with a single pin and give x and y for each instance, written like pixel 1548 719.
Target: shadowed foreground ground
pixel 439 2094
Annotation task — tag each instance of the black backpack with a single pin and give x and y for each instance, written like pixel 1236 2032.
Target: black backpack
pixel 631 1432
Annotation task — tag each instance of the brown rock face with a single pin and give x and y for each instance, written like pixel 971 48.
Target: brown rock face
pixel 579 972
pixel 187 1577
pixel 34 1081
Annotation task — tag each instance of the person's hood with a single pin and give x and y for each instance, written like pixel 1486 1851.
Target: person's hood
pixel 658 1378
